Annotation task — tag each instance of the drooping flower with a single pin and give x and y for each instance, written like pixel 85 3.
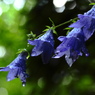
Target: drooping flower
pixel 17 68
pixel 44 45
pixel 72 46
pixel 86 22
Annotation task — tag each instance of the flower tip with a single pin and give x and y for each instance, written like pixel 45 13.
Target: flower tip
pixel 33 54
pixel 23 84
pixel 69 61
pixel 87 55
pixel 70 65
pixel 55 56
pixel 8 79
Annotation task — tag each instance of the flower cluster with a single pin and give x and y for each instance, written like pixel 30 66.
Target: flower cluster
pixel 72 46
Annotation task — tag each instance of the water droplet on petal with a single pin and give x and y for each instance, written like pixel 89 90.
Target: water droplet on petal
pixel 66 56
pixel 87 54
pixel 8 79
pixel 23 84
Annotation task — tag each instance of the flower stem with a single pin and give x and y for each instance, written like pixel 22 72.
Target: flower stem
pixel 65 23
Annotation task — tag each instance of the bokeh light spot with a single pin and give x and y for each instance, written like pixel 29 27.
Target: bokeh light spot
pixel 2 51
pixel 8 1
pixel 60 10
pixel 1 11
pixel 41 82
pixel 3 91
pixel 19 4
pixel 59 3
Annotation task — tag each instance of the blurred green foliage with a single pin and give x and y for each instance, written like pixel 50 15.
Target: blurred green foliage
pixel 55 78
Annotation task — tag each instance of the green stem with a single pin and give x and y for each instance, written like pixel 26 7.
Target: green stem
pixel 65 23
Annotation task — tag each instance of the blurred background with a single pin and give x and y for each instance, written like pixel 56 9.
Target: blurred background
pixel 17 19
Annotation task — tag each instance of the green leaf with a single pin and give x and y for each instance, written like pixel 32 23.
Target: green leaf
pixel 52 22
pixel 92 4
pixel 21 50
pixel 55 32
pixel 67 28
pixel 45 30
pixel 68 32
pixel 48 27
pixel 31 35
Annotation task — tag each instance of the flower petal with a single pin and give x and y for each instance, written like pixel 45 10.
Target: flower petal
pixel 61 38
pixel 84 21
pixel 48 37
pixel 4 68
pixel 33 42
pixel 12 74
pixel 37 50
pixel 23 77
pixel 47 52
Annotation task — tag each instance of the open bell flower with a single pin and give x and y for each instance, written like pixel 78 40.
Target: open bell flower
pixel 72 46
pixel 44 45
pixel 86 22
pixel 17 68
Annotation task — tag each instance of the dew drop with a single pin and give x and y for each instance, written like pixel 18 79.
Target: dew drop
pixel 8 79
pixel 87 54
pixel 23 84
